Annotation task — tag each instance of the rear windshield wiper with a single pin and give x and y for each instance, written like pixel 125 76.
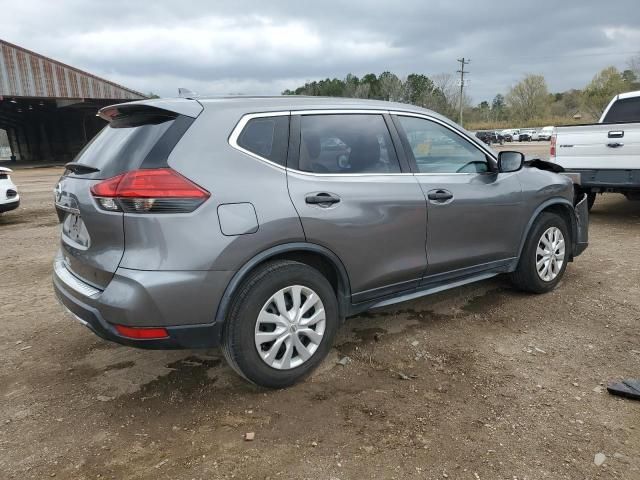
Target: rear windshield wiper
pixel 80 169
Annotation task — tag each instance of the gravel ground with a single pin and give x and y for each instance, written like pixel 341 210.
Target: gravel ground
pixel 481 382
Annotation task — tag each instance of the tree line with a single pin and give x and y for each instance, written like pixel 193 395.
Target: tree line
pixel 527 103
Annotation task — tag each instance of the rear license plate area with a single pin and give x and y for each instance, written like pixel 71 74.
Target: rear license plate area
pixel 74 229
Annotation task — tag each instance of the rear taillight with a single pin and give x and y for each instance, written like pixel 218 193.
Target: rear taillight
pixel 158 190
pixel 552 150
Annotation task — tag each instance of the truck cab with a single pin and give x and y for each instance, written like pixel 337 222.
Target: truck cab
pixel 606 155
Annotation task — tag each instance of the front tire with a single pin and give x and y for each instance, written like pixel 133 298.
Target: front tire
pixel 545 254
pixel 281 324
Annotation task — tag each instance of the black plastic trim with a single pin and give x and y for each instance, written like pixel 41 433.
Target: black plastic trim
pixel 6 207
pixel 379 292
pixel 293 153
pixel 608 178
pixel 158 156
pixel 563 202
pixel 396 139
pixel 344 294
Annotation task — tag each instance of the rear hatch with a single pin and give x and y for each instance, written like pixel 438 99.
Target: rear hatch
pixel 137 136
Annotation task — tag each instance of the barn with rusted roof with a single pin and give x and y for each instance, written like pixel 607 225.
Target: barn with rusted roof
pixel 48 109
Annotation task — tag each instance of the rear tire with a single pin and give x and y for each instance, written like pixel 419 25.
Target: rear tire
pixel 272 300
pixel 548 243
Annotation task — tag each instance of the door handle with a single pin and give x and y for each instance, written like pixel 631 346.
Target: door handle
pixel 615 145
pixel 440 195
pixel 616 134
pixel 322 199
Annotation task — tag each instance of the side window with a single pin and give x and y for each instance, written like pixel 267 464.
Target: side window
pixel 349 143
pixel 437 149
pixel 624 110
pixel 267 137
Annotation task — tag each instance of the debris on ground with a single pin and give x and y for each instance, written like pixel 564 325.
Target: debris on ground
pixel 628 388
pixel 158 465
pixel 403 376
pixel 250 436
pixel 599 459
pixel 344 361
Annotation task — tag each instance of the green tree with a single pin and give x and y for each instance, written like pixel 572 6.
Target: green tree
pixel 566 104
pixel 601 90
pixel 631 78
pixel 391 87
pixel 498 108
pixel 417 88
pixel 529 98
pixel 372 84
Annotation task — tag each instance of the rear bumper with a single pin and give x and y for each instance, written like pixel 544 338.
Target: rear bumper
pixel 603 180
pixel 5 207
pixel 127 302
pixel 582 226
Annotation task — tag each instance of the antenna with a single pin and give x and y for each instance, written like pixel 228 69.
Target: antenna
pixel 186 93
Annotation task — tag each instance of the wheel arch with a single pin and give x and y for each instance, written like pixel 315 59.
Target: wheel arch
pixel 311 254
pixel 560 206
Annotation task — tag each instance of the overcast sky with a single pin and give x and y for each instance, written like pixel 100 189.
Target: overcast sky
pixel 263 47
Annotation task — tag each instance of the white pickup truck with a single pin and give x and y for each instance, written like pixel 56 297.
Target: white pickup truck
pixel 605 154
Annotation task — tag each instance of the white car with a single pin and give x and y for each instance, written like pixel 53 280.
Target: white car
pixel 9 198
pixel 545 133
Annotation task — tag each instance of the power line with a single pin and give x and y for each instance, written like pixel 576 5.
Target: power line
pixel 462 73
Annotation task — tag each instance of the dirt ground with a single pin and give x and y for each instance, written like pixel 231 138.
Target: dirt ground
pixel 481 382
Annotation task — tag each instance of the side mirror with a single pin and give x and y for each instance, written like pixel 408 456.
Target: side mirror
pixel 510 161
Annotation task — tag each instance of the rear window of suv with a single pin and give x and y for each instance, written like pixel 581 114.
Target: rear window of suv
pixel 129 140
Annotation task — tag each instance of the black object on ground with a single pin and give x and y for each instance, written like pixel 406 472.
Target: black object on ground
pixel 629 388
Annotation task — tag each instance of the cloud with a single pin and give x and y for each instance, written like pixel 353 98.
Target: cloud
pixel 257 47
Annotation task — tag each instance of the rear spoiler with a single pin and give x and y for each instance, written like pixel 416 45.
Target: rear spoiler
pixel 172 106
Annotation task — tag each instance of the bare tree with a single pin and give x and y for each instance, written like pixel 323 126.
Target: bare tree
pixel 529 98
pixel 634 65
pixel 444 98
pixel 363 90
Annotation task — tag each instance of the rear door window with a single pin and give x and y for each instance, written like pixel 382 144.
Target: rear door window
pixel 267 137
pixel 346 143
pixel 624 110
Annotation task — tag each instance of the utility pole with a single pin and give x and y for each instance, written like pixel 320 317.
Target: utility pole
pixel 463 62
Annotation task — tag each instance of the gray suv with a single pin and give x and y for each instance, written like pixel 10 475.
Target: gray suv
pixel 260 224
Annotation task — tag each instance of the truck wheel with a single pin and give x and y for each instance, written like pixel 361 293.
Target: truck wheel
pixel 544 256
pixel 281 324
